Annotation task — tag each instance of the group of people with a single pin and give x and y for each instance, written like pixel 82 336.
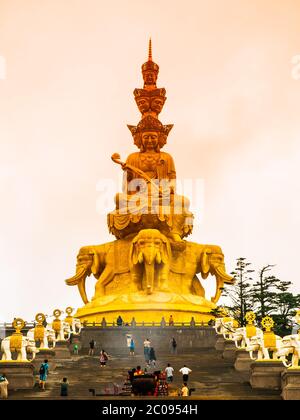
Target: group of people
pixel 165 377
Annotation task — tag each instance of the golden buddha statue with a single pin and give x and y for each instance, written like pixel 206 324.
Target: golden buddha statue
pixel 149 197
pixel 149 271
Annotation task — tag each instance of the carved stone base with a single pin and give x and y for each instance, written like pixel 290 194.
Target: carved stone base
pixel 219 346
pixel 62 350
pixel 266 374
pixel 20 375
pixel 290 379
pixel 229 350
pixel 243 361
pixel 146 308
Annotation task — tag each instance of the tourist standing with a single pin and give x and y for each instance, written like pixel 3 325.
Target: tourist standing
pixel 92 344
pixel 185 373
pixel 184 390
pixel 131 347
pixel 152 357
pixel 103 358
pixel 147 345
pixel 44 369
pixel 119 321
pixel 169 372
pixel 173 345
pixel 171 321
pixel 64 387
pixel 3 387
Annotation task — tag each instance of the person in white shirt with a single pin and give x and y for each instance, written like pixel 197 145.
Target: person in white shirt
pixel 185 373
pixel 169 372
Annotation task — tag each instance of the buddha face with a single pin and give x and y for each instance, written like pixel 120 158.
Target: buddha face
pixel 150 140
pixel 143 104
pixel 157 105
pixel 150 77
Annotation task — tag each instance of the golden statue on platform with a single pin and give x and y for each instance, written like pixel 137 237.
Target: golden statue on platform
pixel 149 271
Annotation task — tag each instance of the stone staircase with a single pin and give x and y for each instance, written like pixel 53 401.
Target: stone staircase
pixel 212 377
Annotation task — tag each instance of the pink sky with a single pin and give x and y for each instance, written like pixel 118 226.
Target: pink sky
pixel 71 68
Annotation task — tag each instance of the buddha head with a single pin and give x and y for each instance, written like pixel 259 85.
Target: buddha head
pixel 157 104
pixel 143 104
pixel 150 141
pixel 150 133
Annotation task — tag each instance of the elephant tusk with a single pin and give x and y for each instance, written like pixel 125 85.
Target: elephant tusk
pixel 158 258
pixel 221 278
pixel 226 278
pixel 75 280
pixel 79 280
pixel 140 258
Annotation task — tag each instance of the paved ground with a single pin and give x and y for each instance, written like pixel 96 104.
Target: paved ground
pixel 211 376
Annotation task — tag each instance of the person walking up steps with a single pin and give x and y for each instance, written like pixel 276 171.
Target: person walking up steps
pixel 103 358
pixel 173 344
pixel 169 372
pixel 64 387
pixel 185 373
pixel 152 357
pixel 131 347
pixel 147 345
pixel 43 374
pixel 92 347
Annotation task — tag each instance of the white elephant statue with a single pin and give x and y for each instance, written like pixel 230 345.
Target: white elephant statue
pixel 49 336
pixel 290 345
pixel 226 327
pixel 257 344
pixel 28 345
pixel 76 326
pixel 240 337
pixel 64 333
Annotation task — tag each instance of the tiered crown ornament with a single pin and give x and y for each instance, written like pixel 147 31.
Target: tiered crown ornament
pixel 16 338
pixel 250 327
pixel 269 336
pixel 39 329
pixel 149 271
pixel 69 318
pixel 56 324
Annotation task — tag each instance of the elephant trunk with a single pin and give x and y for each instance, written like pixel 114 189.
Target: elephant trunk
pixel 149 277
pixel 221 278
pixel 285 362
pixel 149 255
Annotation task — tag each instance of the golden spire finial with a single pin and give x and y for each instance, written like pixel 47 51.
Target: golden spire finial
pixel 150 51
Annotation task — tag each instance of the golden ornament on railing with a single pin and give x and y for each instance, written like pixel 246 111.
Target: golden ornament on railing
pixel 250 328
pixel 56 324
pixel 250 317
pixel 268 323
pixel 269 336
pixel 16 338
pixel 69 318
pixel 39 329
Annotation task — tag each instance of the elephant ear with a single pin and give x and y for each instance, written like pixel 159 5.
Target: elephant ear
pixel 133 253
pixel 204 262
pixel 166 250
